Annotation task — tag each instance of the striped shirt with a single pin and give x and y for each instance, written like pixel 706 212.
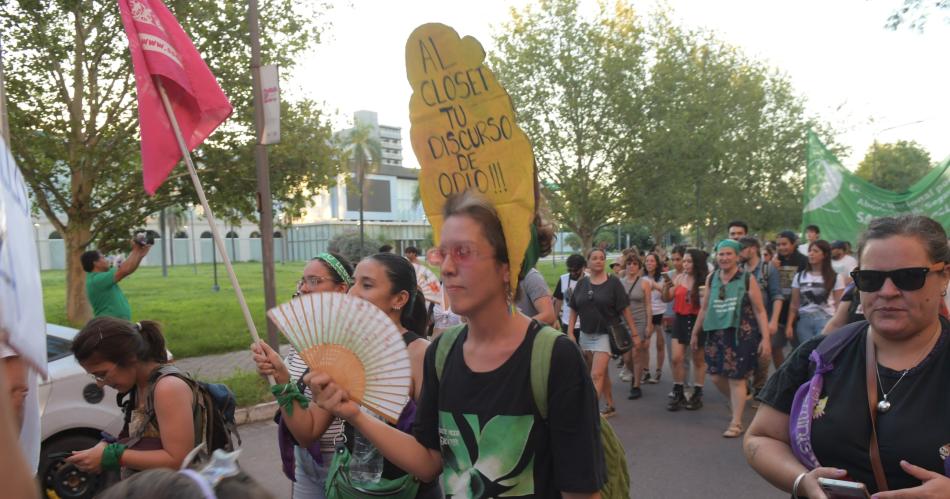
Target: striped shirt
pixel 297 368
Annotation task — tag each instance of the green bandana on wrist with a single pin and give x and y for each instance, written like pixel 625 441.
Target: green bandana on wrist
pixel 111 456
pixel 286 394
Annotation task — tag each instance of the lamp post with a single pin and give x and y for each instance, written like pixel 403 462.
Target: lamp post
pixel 39 256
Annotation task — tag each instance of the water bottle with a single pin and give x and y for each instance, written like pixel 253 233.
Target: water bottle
pixel 366 463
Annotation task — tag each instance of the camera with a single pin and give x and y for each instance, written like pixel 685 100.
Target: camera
pixel 144 239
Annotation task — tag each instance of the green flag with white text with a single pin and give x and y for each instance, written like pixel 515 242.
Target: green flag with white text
pixel 841 204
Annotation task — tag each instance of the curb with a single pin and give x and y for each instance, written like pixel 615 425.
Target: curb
pixel 255 413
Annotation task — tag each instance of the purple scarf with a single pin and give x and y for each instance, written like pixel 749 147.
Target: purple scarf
pixel 803 407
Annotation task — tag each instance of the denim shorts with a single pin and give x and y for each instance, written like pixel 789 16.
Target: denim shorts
pixel 595 343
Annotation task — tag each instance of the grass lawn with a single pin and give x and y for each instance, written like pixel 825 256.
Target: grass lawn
pixel 196 320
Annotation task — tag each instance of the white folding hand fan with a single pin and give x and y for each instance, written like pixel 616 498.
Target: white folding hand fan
pixel 355 343
pixel 429 284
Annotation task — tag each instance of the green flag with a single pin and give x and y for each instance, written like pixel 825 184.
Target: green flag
pixel 841 204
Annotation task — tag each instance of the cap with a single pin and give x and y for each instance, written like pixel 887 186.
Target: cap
pixel 839 245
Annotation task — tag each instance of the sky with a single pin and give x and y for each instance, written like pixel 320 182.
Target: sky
pixel 870 83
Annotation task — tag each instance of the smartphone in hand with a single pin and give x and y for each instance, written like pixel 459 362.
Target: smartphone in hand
pixel 841 489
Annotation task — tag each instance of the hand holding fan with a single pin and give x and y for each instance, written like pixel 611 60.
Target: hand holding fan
pixel 355 343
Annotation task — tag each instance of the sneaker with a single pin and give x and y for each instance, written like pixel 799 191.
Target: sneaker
pixel 635 393
pixel 626 376
pixel 645 377
pixel 678 401
pixel 608 411
pixel 695 402
pixel 656 378
pixel 619 362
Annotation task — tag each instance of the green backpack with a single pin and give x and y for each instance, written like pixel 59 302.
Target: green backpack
pixel 617 484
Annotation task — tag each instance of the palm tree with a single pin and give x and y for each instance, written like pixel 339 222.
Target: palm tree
pixel 360 152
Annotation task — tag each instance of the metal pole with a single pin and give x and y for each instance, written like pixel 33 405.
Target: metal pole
pixel 215 234
pixel 194 251
pixel 265 204
pixel 161 223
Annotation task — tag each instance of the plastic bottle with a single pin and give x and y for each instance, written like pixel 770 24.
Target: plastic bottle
pixel 366 463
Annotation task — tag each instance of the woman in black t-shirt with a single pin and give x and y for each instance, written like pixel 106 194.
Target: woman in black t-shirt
pixel 600 300
pixel 477 423
pixel 800 435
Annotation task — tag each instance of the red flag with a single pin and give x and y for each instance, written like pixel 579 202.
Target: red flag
pixel 161 49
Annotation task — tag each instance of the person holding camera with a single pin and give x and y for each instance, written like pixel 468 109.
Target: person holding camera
pixel 102 280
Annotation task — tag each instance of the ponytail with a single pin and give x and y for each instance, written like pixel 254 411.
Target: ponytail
pixel 153 347
pixel 415 315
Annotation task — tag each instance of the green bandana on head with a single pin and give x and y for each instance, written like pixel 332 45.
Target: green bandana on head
pixel 336 266
pixel 729 243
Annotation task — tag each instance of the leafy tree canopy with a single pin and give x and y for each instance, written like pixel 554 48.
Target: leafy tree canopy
pixel 896 166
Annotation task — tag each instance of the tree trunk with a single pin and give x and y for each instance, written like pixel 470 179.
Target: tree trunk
pixel 78 310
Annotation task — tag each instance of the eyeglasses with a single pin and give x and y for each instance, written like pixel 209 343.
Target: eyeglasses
pixel 909 279
pixel 722 292
pixel 312 280
pixel 102 379
pixel 462 254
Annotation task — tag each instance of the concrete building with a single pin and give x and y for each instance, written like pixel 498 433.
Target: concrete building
pixel 390 212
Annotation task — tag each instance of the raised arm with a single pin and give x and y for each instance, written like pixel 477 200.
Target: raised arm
pixel 131 263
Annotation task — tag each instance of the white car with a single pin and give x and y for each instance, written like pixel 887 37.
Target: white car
pixel 74 412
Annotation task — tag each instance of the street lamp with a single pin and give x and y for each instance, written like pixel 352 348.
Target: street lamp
pixel 39 256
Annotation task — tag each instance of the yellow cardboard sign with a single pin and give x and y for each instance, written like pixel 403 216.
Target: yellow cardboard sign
pixel 465 137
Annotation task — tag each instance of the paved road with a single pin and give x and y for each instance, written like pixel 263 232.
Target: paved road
pixel 671 455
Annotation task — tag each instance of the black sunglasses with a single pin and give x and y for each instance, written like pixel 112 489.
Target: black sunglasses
pixel 909 279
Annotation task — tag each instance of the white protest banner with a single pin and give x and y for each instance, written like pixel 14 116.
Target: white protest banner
pixel 270 87
pixel 22 319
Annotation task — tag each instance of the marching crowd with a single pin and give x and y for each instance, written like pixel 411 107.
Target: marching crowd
pixel 484 420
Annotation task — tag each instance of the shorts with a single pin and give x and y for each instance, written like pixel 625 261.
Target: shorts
pixel 683 329
pixel 595 343
pixel 657 320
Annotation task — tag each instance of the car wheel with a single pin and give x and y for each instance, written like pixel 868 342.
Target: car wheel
pixel 63 480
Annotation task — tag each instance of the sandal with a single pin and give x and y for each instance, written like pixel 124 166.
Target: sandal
pixel 608 411
pixel 733 431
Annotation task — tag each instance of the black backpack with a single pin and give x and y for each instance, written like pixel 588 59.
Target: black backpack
pixel 214 406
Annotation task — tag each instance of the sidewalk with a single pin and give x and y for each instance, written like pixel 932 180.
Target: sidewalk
pixel 216 367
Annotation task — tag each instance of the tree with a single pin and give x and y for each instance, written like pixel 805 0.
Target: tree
pixel 360 151
pixel 914 13
pixel 74 125
pixel 721 137
pixel 896 166
pixel 571 78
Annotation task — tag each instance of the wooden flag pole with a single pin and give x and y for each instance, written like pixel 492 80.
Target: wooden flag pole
pixel 216 235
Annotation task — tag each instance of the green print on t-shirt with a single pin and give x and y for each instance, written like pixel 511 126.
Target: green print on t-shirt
pixel 486 461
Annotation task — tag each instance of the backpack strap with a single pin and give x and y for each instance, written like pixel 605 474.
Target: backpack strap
pixel 443 345
pixel 196 404
pixel 541 351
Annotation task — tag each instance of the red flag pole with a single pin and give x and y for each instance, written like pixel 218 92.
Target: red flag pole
pixel 216 236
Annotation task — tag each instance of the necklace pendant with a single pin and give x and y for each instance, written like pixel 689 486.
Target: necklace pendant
pixel 883 406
